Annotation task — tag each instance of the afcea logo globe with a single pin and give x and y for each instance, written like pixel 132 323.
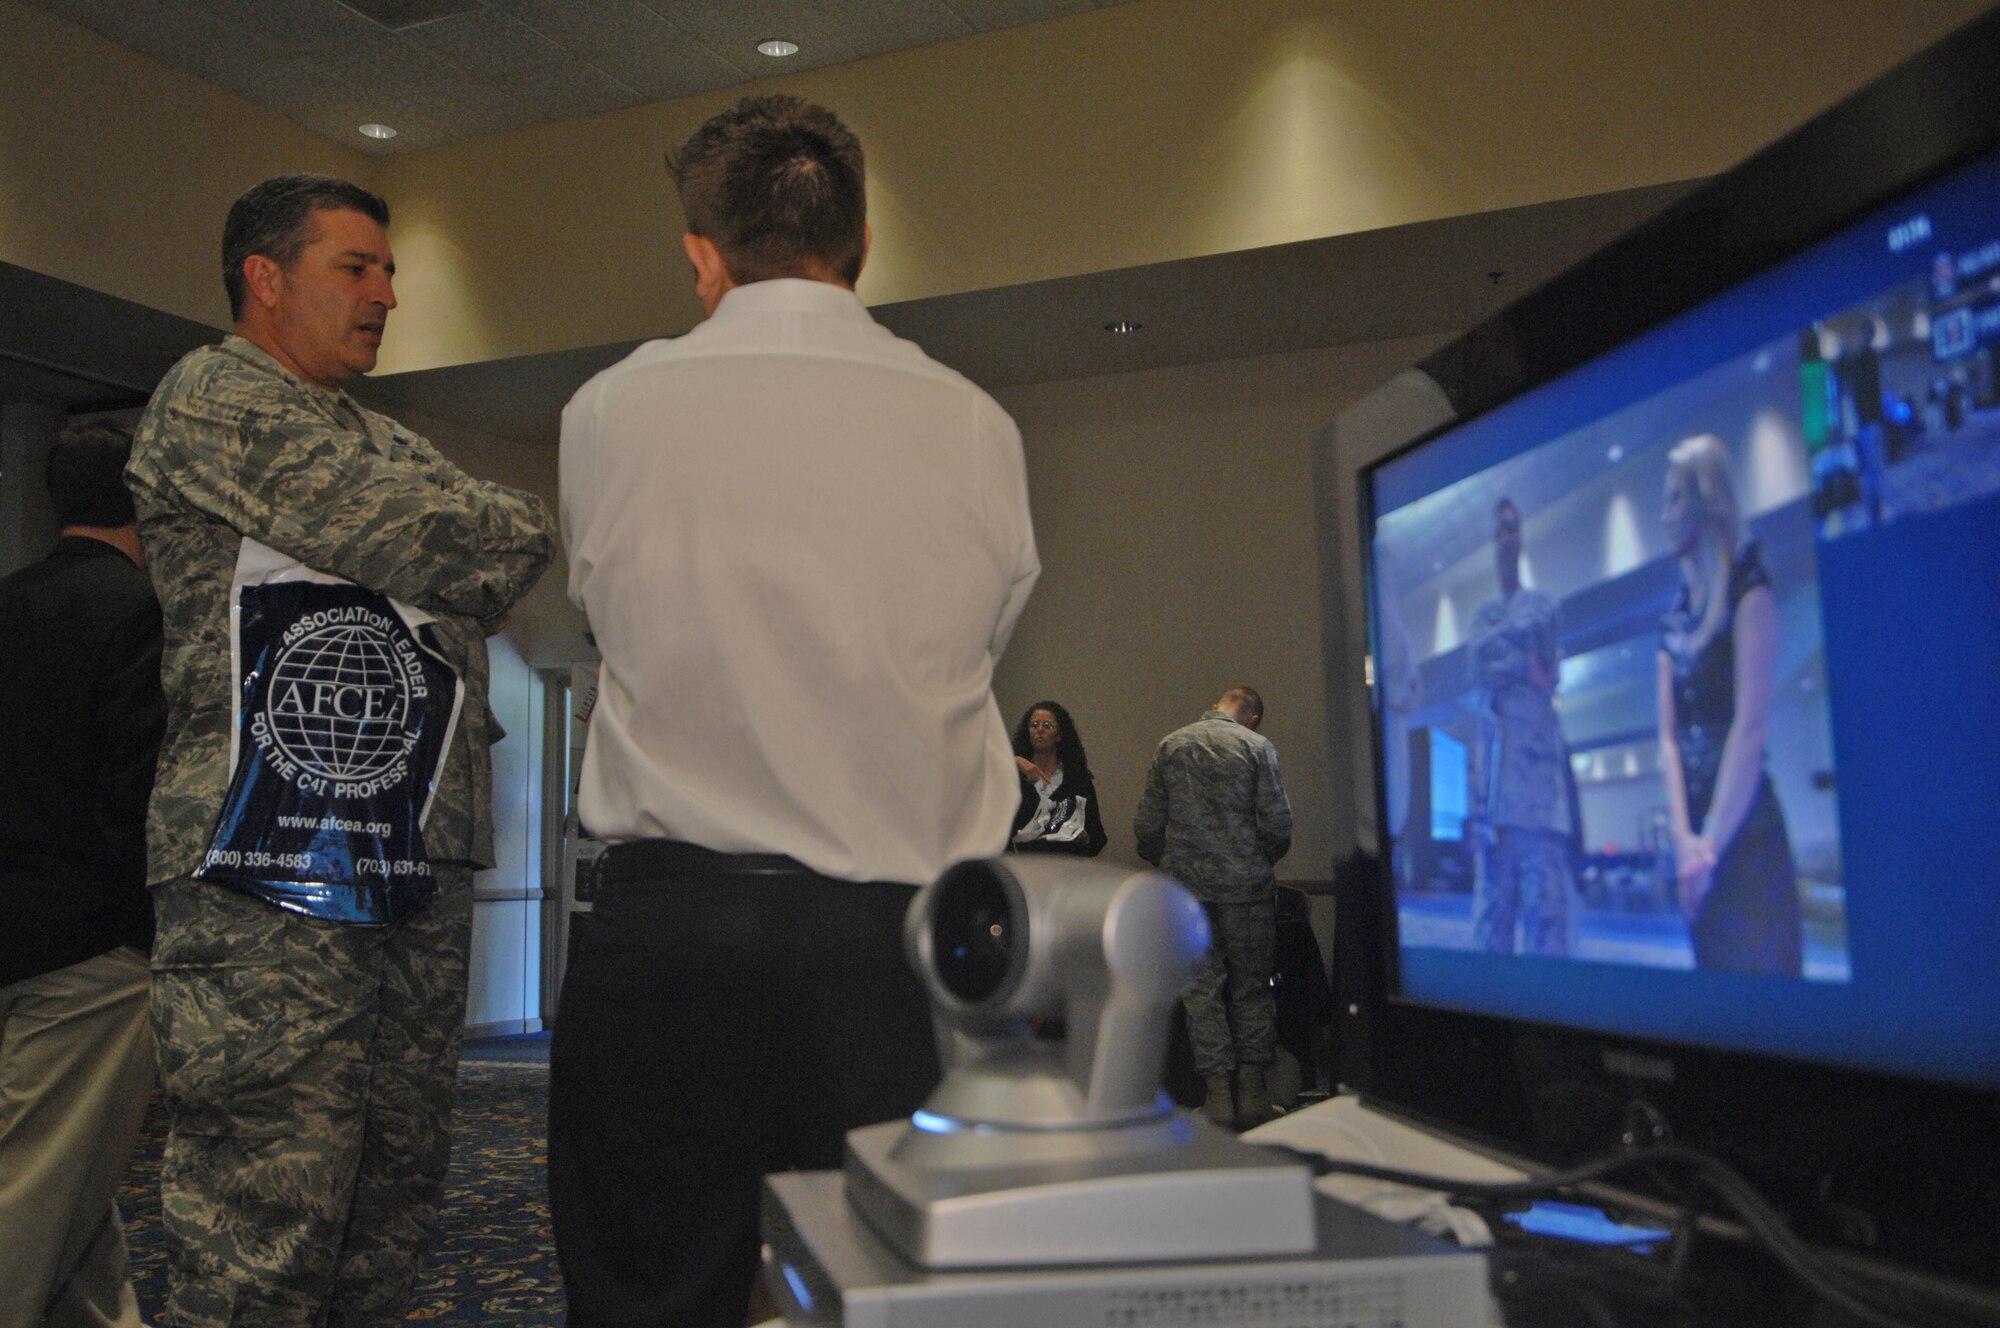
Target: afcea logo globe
pixel 339 704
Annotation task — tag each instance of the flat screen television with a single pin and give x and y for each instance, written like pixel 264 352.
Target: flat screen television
pixel 1682 574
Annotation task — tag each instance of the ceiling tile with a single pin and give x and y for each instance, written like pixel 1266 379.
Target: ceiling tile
pixel 590 30
pixel 993 15
pixel 892 25
pixel 565 91
pixel 821 30
pixel 293 85
pixel 306 25
pixel 201 44
pixel 461 107
pixel 676 66
pixel 510 63
pixel 488 44
pixel 108 17
pixel 397 15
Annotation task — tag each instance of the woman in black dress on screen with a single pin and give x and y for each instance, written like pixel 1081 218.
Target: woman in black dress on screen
pixel 1059 812
pixel 1718 663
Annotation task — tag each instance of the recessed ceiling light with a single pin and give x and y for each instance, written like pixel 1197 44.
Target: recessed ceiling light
pixel 778 47
pixel 1123 325
pixel 372 130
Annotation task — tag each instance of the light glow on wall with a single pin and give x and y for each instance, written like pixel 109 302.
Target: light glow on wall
pixel 1624 547
pixel 1317 141
pixel 1444 635
pixel 1776 464
pixel 449 309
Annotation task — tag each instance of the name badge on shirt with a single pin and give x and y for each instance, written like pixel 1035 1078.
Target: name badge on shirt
pixel 344 714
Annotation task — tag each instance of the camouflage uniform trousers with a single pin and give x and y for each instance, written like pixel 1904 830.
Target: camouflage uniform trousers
pixel 308 1070
pixel 1525 874
pixel 1242 958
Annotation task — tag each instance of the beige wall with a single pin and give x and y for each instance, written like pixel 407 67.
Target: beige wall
pixel 116 171
pixel 1155 130
pixel 544 628
pixel 1175 514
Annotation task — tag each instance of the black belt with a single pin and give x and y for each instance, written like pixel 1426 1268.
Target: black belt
pixel 649 859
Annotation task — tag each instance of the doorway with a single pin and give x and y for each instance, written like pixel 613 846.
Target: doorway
pixel 568 852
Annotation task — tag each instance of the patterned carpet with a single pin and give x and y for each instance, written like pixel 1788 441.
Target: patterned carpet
pixel 494 1260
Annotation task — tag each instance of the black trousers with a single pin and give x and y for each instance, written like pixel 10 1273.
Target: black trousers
pixel 724 1017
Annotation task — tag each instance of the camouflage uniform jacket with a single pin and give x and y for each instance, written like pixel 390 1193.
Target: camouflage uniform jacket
pixel 1214 813
pixel 1520 761
pixel 233 445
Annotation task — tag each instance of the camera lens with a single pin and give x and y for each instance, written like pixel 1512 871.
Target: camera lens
pixel 972 933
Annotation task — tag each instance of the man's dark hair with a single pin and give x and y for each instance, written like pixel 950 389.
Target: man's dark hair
pixel 275 218
pixel 1248 698
pixel 86 475
pixel 1069 743
pixel 777 184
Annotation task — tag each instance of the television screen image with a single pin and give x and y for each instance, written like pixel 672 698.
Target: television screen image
pixel 1544 596
pixel 1711 618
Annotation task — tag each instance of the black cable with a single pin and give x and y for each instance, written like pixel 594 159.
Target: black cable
pixel 1757 1216
pixel 1682 1243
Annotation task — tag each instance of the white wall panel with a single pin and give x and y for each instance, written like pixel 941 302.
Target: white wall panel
pixel 506 928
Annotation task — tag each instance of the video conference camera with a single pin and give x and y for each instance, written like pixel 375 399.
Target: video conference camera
pixel 1049 1142
pixel 1048 1180
pixel 1053 983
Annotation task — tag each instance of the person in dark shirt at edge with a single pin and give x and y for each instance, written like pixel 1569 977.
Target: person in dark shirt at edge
pixel 81 714
pixel 1059 811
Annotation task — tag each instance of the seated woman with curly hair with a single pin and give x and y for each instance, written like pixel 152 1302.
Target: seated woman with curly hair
pixel 1059 812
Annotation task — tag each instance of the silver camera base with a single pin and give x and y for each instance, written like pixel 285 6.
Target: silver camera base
pixel 827 1267
pixel 1177 1188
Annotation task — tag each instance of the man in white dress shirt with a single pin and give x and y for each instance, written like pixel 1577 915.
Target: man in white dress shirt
pixel 801 545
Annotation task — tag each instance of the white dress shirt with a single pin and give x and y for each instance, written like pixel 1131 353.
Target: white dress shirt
pixel 801 545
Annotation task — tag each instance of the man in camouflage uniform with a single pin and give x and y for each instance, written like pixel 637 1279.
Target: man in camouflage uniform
pixel 1215 817
pixel 1521 821
pixel 308 1066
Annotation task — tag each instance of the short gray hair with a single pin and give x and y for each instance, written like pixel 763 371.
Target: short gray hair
pixel 275 218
